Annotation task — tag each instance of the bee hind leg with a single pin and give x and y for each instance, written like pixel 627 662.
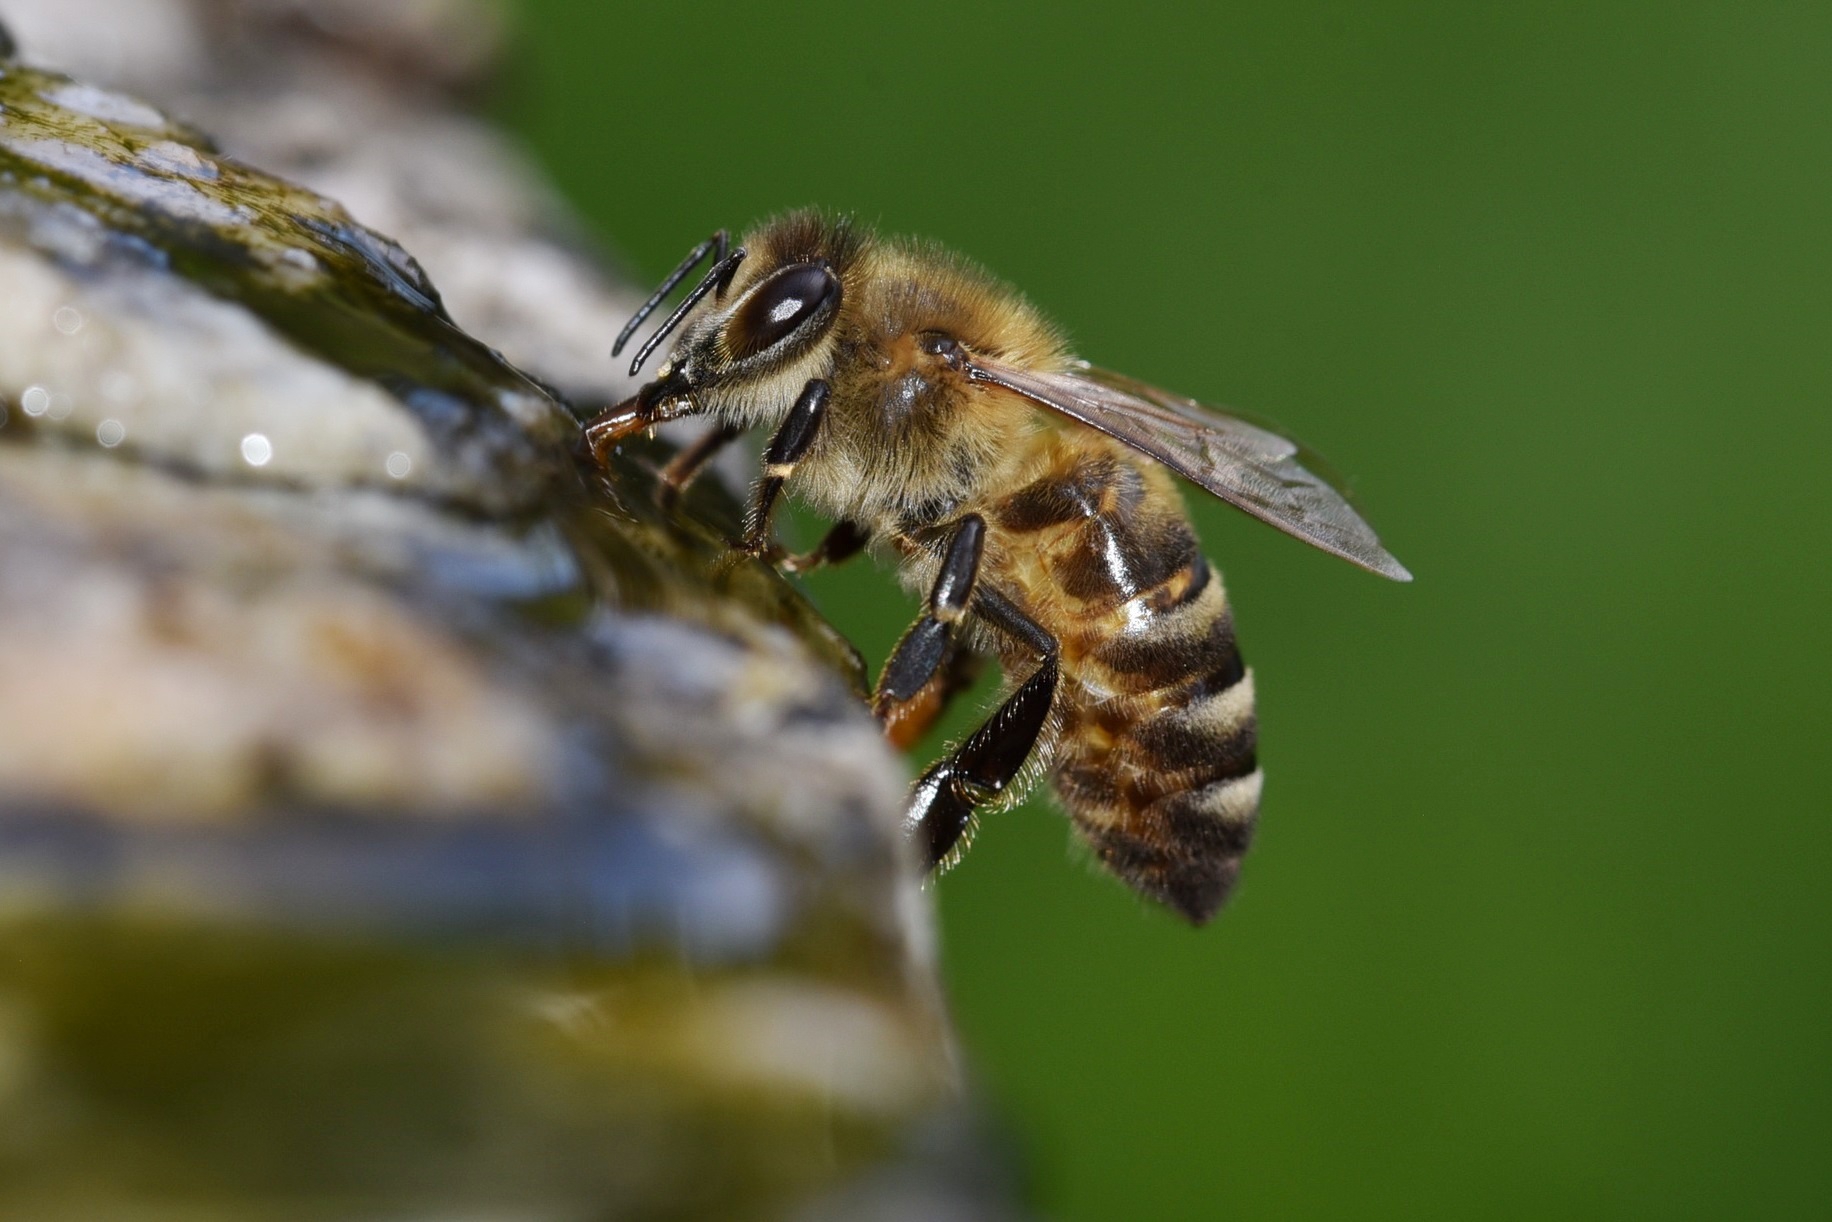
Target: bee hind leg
pixel 925 668
pixel 944 799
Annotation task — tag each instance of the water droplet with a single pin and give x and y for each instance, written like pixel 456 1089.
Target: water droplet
pixel 398 465
pixel 36 400
pixel 68 320
pixel 257 451
pixel 110 433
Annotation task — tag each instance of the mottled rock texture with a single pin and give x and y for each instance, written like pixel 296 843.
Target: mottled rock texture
pixel 397 817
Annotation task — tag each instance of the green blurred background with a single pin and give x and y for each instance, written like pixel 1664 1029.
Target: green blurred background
pixel 1536 923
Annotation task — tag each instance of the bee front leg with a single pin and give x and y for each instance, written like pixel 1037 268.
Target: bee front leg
pixel 686 466
pixel 654 404
pixel 786 448
pixel 841 543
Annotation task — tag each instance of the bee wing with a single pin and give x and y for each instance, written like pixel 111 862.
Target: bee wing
pixel 1250 467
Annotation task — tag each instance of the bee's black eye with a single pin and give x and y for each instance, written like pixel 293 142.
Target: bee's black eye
pixel 941 344
pixel 780 305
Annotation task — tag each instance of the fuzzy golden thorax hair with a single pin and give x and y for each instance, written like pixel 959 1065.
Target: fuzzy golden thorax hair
pixel 886 322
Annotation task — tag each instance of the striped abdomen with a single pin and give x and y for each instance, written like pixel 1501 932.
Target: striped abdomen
pixel 1155 757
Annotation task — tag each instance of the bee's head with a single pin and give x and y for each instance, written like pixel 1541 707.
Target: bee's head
pixel 758 326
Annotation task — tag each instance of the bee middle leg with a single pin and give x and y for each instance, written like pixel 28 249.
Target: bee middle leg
pixel 906 721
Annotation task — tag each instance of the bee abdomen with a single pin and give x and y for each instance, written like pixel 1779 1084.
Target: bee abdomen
pixel 1159 771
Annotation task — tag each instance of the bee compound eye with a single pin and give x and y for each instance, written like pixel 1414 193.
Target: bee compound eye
pixel 941 344
pixel 779 306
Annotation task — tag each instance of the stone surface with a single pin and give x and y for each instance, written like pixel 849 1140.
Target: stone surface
pixel 99 181
pixel 351 99
pixel 397 818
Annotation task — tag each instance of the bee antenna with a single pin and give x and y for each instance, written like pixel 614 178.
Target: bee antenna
pixel 718 277
pixel 718 241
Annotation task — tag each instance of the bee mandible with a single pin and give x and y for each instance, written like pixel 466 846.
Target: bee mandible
pixel 929 411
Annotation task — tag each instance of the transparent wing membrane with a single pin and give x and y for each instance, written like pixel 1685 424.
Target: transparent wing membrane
pixel 1245 464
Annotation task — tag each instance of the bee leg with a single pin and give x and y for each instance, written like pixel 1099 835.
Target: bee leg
pixel 916 663
pixel 686 466
pixel 613 426
pixel 906 722
pixel 842 543
pixel 943 801
pixel 942 804
pixel 786 448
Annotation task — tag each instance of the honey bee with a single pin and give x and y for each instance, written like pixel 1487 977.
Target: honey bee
pixel 930 411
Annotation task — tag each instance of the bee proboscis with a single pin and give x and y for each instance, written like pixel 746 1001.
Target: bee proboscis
pixel 929 410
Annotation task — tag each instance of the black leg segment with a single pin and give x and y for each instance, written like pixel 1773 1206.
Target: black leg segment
pixel 1001 614
pixel 786 448
pixel 943 801
pixel 918 656
pixel 981 768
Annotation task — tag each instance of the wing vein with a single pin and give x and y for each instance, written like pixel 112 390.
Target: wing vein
pixel 1251 467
